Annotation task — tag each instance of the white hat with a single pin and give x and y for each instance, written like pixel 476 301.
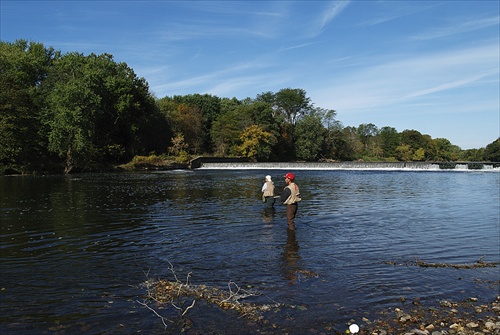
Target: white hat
pixel 268 177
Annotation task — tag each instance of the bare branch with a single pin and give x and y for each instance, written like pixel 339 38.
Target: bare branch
pixel 163 320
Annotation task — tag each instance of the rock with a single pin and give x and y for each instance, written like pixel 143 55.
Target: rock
pixel 489 325
pixel 446 303
pixel 472 325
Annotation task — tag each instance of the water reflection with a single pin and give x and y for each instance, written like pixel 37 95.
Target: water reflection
pixel 268 214
pixel 291 258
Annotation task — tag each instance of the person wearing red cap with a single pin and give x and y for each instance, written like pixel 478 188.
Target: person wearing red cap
pixel 290 197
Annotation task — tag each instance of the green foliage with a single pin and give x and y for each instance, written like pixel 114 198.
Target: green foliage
pixel 23 67
pixel 69 116
pixel 293 104
pixel 472 155
pixel 492 151
pixel 404 152
pixel 226 130
pixel 445 151
pixel 390 139
pixel 310 134
pixel 94 104
pixel 82 112
pixel 366 132
pixel 418 155
pixel 154 162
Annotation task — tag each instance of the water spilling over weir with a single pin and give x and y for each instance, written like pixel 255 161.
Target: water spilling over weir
pixel 398 166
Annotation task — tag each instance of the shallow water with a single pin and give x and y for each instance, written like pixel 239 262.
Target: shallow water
pixel 75 250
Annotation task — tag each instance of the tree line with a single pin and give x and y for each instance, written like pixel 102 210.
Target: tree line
pixel 71 112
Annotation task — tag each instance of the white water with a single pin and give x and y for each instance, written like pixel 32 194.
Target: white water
pixel 384 166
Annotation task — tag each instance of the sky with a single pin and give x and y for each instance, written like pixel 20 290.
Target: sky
pixel 430 66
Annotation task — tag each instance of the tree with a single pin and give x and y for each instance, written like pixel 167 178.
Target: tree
pixel 353 146
pixel 492 151
pixel 366 132
pixel 226 130
pixel 335 145
pixel 185 120
pixel 418 155
pixel 292 103
pixel 178 145
pixel 472 155
pixel 404 153
pixel 389 141
pixel 68 116
pixel 256 143
pixel 309 135
pixel 23 67
pixel 210 108
pixel 445 150
pixel 97 109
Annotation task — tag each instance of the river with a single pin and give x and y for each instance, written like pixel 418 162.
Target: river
pixel 76 250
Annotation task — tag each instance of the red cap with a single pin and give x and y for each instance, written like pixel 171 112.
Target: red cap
pixel 290 176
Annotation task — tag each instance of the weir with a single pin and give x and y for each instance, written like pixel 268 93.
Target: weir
pixel 387 166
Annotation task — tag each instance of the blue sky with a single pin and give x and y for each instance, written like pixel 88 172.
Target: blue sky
pixel 432 66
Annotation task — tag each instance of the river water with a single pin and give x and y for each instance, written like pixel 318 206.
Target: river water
pixel 76 250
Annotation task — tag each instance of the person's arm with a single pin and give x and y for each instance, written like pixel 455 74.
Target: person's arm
pixel 286 193
pixel 264 187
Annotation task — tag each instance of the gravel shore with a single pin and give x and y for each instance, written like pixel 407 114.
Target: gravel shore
pixel 469 317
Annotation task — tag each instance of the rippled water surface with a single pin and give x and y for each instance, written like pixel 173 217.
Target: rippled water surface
pixel 75 250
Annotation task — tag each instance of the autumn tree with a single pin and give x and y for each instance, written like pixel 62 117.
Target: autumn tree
pixel 186 120
pixel 255 143
pixel 210 108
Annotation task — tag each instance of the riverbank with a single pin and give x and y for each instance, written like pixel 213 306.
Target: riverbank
pixel 144 163
pixel 470 317
pixel 152 162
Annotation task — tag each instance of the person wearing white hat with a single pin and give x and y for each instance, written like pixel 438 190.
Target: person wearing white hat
pixel 268 192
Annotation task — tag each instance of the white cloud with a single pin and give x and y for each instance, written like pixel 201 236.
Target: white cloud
pixel 334 9
pixel 410 78
pixel 458 26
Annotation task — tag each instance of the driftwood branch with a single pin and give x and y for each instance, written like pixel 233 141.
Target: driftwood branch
pixel 176 293
pixel 163 319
